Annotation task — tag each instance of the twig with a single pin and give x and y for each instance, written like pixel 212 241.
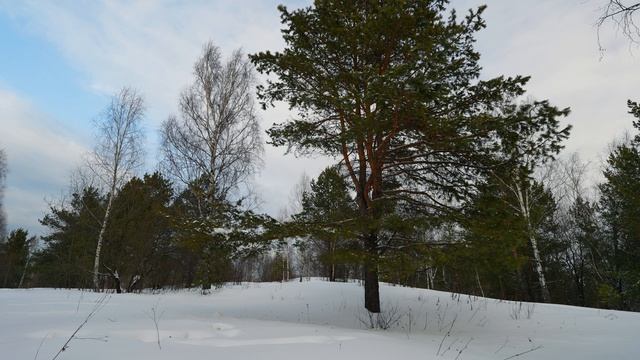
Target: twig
pixel 463 349
pixel 103 339
pixel 426 320
pixel 446 335
pixel 40 346
pixel 524 352
pixel 450 346
pixel 506 340
pixel 79 299
pixel 99 305
pixel 156 318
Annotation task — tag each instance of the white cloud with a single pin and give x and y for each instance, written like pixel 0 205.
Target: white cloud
pixel 152 45
pixel 556 43
pixel 40 154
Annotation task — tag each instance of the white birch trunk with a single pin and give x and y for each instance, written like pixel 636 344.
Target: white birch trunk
pixel 523 201
pixel 24 271
pixel 103 228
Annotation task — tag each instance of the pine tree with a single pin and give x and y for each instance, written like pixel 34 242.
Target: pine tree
pixel 393 89
pixel 582 255
pixel 68 252
pixel 326 209
pixel 138 237
pixel 15 253
pixel 213 234
pixel 620 209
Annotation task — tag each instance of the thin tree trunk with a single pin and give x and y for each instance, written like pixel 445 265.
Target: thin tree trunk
pixel 523 200
pixel 539 270
pixel 24 271
pixel 333 272
pixel 479 284
pixel 103 228
pixel 287 265
pixel 332 250
pixel 284 266
pixel 6 275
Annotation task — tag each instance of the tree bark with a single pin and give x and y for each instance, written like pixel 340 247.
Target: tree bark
pixel 544 290
pixel 24 272
pixel 103 228
pixel 524 202
pixel 332 270
pixel 371 287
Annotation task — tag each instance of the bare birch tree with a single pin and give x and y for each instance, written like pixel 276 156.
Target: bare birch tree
pixel 118 152
pixel 216 139
pixel 527 196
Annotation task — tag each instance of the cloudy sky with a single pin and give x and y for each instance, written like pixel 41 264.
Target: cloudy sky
pixel 60 61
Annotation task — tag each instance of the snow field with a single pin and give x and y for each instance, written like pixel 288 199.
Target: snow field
pixel 308 320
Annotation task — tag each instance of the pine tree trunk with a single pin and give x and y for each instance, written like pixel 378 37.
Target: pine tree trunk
pixel 371 287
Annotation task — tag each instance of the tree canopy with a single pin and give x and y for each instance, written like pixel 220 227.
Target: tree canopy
pixel 393 90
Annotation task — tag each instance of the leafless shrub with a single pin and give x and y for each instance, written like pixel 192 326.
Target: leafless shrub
pixel 521 309
pixel 384 320
pixel 408 325
pixel 155 316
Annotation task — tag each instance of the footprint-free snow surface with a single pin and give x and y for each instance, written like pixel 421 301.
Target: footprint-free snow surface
pixel 309 320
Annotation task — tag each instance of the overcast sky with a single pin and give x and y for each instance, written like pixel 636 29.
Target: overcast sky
pixel 60 61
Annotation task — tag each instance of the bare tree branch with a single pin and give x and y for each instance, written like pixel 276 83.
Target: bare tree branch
pixel 622 14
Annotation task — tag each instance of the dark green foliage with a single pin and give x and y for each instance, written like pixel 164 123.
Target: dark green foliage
pixel 393 89
pixel 14 254
pixel 67 257
pixel 620 209
pixel 138 238
pixel 215 233
pixel 328 215
pixel 492 254
pixel 153 239
pixel 582 237
pixel 495 243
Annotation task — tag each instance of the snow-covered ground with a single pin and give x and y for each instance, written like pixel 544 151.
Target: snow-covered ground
pixel 308 320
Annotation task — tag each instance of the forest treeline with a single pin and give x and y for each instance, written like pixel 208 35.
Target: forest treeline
pixel 442 179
